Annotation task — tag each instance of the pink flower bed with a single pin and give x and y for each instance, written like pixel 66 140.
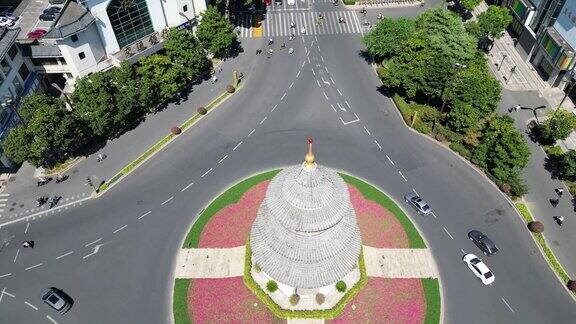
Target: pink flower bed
pixel 379 227
pixel 230 226
pixel 386 300
pixel 225 300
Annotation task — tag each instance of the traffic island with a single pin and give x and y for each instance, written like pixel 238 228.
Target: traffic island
pixel 218 274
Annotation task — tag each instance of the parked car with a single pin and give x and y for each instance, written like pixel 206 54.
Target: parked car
pixel 5 22
pixel 479 269
pixel 47 16
pixel 418 203
pixel 57 299
pixel 291 2
pixel 52 9
pixel 9 15
pixel 36 34
pixel 483 242
pixel 53 2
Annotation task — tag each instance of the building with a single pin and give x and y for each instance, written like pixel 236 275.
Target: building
pixel 546 30
pixel 305 235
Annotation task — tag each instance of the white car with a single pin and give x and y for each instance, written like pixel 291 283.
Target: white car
pixel 5 22
pixel 291 2
pixel 479 268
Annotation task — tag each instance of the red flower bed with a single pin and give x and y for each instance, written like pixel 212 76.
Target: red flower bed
pixel 230 226
pixel 379 227
pixel 226 300
pixel 386 300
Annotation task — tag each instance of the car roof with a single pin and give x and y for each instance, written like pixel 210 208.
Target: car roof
pixel 482 267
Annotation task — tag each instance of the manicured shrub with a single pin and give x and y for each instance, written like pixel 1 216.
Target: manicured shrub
pixel 572 285
pixel 320 298
pixel 460 149
pixel 341 286
pixel 202 110
pixel 536 227
pixel 440 137
pixel 505 187
pixel 230 88
pixel 294 299
pixel 175 130
pixel 271 286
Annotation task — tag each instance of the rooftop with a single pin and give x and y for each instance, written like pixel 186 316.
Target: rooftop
pixel 7 38
pixel 73 19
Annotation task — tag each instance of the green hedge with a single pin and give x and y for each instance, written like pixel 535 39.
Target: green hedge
pixel 371 193
pixel 284 313
pixel 229 197
pixel 433 302
pixel 423 115
pixel 180 301
pixel 349 2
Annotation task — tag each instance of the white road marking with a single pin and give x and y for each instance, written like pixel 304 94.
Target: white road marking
pixel 433 214
pixel 341 108
pixel 31 306
pixel 322 58
pixel 464 252
pixel 283 96
pixel 445 230
pixel 263 120
pixel 334 83
pixel 3 292
pixel 339 92
pixel 96 249
pixel 94 242
pixel 6 275
pixel 306 49
pixel 326 96
pixel 326 68
pixel 4 195
pixel 313 72
pixel 16 257
pixel 347 104
pixel 237 145
pixel 118 229
pixel 308 58
pixel 202 176
pixel 34 266
pixel 64 255
pixel 188 186
pixel 274 108
pixel 303 63
pixel 148 212
pixel 389 159
pixel 298 74
pixel 27 226
pixel 415 192
pixel 51 319
pixel 402 175
pixel 318 82
pixel 252 132
pixel 505 302
pixel 331 105
pixel 367 131
pixel 375 141
pixel 291 85
pixel 222 159
pixel 167 200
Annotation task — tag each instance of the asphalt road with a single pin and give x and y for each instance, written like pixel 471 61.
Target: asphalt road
pixel 115 255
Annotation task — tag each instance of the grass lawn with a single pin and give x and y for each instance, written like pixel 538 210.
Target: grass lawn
pixel 180 301
pixel 433 303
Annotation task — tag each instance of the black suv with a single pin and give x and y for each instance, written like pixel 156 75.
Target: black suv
pixel 483 242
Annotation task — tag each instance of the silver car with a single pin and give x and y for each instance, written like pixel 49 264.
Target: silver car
pixel 418 203
pixel 57 299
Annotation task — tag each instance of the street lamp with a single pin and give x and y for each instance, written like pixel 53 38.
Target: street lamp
pixel 9 103
pixel 504 56
pixel 457 66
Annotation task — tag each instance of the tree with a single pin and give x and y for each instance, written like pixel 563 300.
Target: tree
pixel 215 32
pixel 470 4
pixel 566 164
pixel 462 117
pixel 160 79
pixel 387 36
pixel 183 49
pixel 17 144
pixel 125 85
pixel 502 151
pixel 32 103
pixel 475 86
pixel 494 21
pixel 558 126
pixel 93 101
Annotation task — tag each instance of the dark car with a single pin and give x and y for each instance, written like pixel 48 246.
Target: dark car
pixel 52 2
pixel 53 10
pixel 483 242
pixel 47 16
pixel 57 299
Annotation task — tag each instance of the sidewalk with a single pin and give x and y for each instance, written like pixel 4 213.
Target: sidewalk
pixel 22 191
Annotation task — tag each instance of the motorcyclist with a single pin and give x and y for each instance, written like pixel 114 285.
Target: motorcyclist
pixel 559 220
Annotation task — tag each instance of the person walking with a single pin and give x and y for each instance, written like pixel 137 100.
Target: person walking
pixel 560 191
pixel 214 79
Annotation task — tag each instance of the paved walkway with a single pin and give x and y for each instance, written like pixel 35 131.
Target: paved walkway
pixel 305 320
pixel 399 263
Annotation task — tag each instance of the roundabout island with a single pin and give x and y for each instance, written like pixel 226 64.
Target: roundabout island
pixel 304 244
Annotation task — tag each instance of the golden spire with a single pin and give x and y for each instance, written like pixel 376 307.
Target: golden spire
pixel 309 163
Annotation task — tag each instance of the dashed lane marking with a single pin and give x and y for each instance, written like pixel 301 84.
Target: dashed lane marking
pixel 237 145
pixel 326 96
pixel 375 141
pixel 367 131
pixel 433 214
pixel 16 257
pixel 31 306
pixel 166 201
pixel 27 226
pixel 34 266
pixel 252 132
pixel 331 105
pixel 291 85
pixel 51 319
pixel 505 302
pixel 283 96
pixel 445 230
pixel 389 159
pixel 3 292
pixel 313 72
pixel 148 212
pixel 6 275
pixel 261 122
pixel 64 255
pixel 203 175
pixel 463 252
pixel 93 242
pixel 274 108
pixel 339 92
pixel 298 74
pixel 222 159
pixel 402 175
pixel 415 192
pixel 318 82
pixel 188 186
pixel 120 228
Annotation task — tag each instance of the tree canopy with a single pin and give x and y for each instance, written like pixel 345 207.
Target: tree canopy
pixel 383 40
pixel 558 126
pixel 494 21
pixel 160 79
pixel 185 50
pixel 93 102
pixel 215 32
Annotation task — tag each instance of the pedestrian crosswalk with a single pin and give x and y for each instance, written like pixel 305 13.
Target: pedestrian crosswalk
pixel 275 24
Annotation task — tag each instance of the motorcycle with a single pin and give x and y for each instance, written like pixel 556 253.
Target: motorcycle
pixel 42 181
pixel 41 201
pixel 559 220
pixel 61 178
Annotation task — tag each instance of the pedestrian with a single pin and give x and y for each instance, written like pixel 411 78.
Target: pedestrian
pixel 258 51
pixel 517 107
pixel 241 75
pixel 303 30
pixel 214 79
pixel 554 202
pixel 291 50
pixel 270 51
pixel 283 45
pixel 101 157
pixel 560 191
pixel 219 69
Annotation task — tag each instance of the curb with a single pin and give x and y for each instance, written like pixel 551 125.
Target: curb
pixel 119 176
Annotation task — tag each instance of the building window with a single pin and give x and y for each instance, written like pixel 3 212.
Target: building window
pixel 5 66
pixel 17 85
pixel 130 20
pixel 24 72
pixel 81 55
pixel 185 8
pixel 1 80
pixel 74 38
pixel 12 52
